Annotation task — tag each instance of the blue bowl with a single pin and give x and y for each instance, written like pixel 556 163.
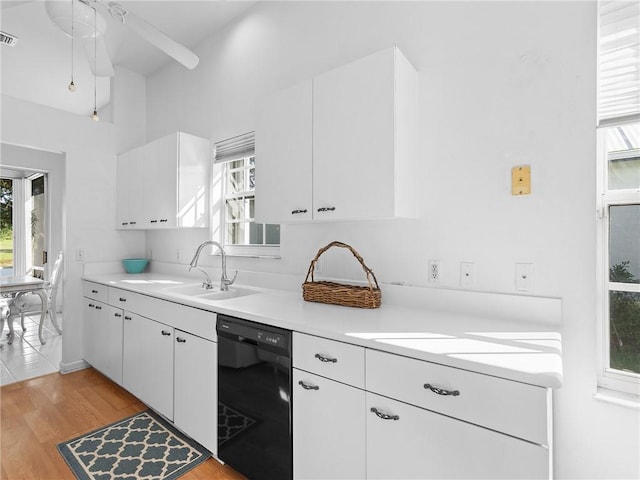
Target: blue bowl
pixel 135 265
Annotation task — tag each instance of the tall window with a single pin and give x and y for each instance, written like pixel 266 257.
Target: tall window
pixel 23 223
pixel 240 233
pixel 6 226
pixel 619 195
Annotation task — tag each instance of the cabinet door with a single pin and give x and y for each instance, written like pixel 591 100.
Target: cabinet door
pixel 123 186
pixel 328 428
pixel 283 156
pixel 161 182
pixel 196 389
pixel 405 442
pixel 112 340
pixel 354 139
pixel 148 362
pixel 194 177
pixel 95 330
pixel 129 190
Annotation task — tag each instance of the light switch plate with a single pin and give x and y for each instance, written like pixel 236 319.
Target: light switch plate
pixel 521 180
pixel 467 274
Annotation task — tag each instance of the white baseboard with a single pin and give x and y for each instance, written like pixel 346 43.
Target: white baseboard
pixel 73 366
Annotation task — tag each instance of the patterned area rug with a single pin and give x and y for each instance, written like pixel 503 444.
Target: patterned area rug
pixel 141 446
pixel 231 423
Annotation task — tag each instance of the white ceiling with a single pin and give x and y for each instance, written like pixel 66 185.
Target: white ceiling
pixel 38 68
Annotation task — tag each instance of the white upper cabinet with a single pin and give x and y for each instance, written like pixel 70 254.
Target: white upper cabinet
pixel 130 194
pixel 364 115
pixel 284 156
pixel 343 148
pixel 164 184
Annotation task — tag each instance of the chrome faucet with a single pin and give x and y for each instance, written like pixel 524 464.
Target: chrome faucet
pixel 224 280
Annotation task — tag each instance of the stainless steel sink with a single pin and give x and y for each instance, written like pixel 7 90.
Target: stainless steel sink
pixel 198 291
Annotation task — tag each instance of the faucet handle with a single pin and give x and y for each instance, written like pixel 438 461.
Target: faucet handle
pixel 235 275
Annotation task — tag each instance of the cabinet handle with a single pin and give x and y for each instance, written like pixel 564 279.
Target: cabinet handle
pixel 307 386
pixel 153 221
pixel 326 209
pixel 180 340
pixel 165 333
pixel 296 212
pixel 163 220
pixel 125 223
pixel 440 391
pixel 91 305
pixel 324 359
pixel 127 317
pixel 98 307
pixel 132 223
pixel 94 291
pixel 122 299
pixel 384 416
pixel 117 315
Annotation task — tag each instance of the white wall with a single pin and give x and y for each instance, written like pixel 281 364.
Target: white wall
pixel 88 199
pixel 501 84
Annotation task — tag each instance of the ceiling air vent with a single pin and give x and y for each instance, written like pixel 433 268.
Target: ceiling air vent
pixel 8 39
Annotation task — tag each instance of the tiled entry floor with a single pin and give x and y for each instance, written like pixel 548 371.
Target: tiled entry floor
pixel 26 357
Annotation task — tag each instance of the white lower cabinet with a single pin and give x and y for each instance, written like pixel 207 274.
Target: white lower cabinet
pixel 195 409
pixel 407 442
pixel 103 338
pixel 148 362
pixel 328 429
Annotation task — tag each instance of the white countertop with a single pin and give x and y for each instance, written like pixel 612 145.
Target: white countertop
pixel 491 344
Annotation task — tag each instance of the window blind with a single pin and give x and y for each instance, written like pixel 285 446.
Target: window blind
pixel 618 61
pixel 235 148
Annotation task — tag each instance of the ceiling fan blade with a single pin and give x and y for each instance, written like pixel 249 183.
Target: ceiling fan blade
pixel 151 34
pixel 103 66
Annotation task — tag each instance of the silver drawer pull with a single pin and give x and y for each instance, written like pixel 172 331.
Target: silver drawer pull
pixel 180 340
pixel 384 416
pixel 324 359
pixel 308 387
pixel 300 210
pixel 126 317
pixel 165 333
pixel 94 291
pixel 326 209
pixel 122 299
pixel 440 391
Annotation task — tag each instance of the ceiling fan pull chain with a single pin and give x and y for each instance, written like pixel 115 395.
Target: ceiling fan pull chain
pixel 72 86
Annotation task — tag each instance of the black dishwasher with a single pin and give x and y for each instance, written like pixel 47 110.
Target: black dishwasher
pixel 254 398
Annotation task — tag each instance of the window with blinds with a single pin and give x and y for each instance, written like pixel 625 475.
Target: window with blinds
pixel 619 196
pixel 237 158
pixel 618 61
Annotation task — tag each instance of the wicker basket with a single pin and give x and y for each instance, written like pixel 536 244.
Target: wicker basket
pixel 340 294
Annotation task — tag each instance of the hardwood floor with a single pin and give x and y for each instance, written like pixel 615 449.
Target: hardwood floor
pixel 38 414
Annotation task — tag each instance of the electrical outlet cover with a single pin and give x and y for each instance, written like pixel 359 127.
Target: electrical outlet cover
pixel 434 271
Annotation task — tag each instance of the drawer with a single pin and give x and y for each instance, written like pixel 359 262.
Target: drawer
pixel 514 408
pixel 336 360
pixel 201 323
pixel 95 291
pixel 130 301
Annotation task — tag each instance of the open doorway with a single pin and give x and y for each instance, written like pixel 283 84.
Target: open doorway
pixel 32 185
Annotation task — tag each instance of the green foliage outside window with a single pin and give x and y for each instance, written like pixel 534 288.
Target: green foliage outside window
pixel 624 322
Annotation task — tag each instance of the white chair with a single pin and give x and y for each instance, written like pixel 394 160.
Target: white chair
pixel 30 304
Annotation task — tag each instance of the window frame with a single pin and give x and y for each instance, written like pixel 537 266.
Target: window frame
pixel 256 250
pixel 609 379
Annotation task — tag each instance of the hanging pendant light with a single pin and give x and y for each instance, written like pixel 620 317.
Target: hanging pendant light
pixel 72 86
pixel 95 54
